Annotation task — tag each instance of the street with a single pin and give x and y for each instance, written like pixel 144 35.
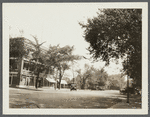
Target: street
pixel 64 98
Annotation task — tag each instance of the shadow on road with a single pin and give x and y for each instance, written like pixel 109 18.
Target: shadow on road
pixel 26 88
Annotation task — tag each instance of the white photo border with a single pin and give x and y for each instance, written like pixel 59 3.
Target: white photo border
pixel 5 49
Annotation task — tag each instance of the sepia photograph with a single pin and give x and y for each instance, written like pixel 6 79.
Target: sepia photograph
pixel 75 58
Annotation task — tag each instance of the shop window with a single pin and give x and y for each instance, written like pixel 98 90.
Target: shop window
pixel 32 67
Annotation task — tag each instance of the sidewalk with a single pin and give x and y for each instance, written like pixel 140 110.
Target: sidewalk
pixel 122 105
pixel 134 103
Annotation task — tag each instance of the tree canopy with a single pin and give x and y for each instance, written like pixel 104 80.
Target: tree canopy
pixel 59 58
pixel 91 77
pixel 37 54
pixel 117 33
pixel 17 47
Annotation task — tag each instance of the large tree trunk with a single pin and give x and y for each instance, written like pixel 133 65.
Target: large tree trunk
pixel 83 85
pixel 61 73
pixel 60 76
pixel 84 79
pixel 36 84
pixel 56 74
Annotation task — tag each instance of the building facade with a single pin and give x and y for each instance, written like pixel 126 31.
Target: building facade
pixel 21 64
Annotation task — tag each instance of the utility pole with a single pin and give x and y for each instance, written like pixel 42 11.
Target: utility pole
pixel 128 79
pixel 127 89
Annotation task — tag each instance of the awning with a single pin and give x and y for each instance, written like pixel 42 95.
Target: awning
pixel 51 80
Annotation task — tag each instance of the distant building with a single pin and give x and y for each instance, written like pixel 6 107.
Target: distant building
pixel 63 84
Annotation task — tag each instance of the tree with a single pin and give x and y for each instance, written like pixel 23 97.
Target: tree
pixel 117 33
pixel 116 82
pixel 101 76
pixel 59 58
pixel 37 56
pixel 17 47
pixel 91 77
pixel 82 78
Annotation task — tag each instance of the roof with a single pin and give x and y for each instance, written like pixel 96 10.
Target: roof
pixel 51 80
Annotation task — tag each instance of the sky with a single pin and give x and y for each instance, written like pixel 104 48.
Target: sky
pixel 56 24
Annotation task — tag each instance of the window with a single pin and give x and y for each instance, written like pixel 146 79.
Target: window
pixel 13 64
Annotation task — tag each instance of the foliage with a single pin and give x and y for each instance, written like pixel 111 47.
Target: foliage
pixel 101 76
pixel 116 33
pixel 37 54
pixel 91 77
pixel 59 57
pixel 83 76
pixel 116 81
pixel 17 47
